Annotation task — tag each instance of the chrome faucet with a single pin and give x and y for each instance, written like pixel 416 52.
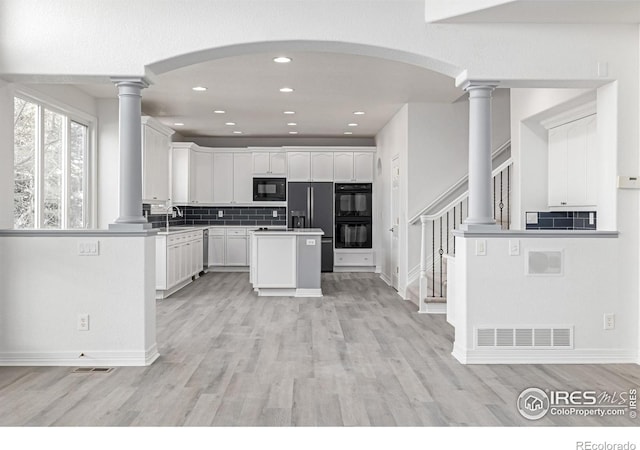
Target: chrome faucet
pixel 170 211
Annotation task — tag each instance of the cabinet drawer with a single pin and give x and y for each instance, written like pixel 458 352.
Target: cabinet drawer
pixel 353 259
pixel 216 231
pixel 236 231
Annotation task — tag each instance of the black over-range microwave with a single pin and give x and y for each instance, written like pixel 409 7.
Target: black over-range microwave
pixel 269 189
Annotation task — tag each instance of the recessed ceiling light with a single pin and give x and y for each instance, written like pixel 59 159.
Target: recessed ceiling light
pixel 178 124
pixel 282 59
pixel 199 88
pixel 352 124
pixel 292 124
pixel 219 111
pixel 237 132
pixel 286 89
pixel 348 132
pixel 230 123
pixel 293 132
pixel 289 112
pixel 358 113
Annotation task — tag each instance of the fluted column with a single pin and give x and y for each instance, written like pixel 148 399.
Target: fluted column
pixel 130 139
pixel 480 216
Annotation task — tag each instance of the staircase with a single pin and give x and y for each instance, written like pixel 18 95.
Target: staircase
pixel 440 219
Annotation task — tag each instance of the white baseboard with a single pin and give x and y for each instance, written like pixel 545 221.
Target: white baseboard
pixel 73 359
pixel 578 356
pixel 433 308
pixel 385 278
pixel 161 295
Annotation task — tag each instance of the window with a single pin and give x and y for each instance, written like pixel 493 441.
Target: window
pixel 51 166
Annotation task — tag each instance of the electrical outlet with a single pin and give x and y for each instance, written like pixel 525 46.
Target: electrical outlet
pixel 481 247
pixel 514 247
pixel 275 213
pixel 174 214
pixel 220 213
pixel 83 322
pixel 609 321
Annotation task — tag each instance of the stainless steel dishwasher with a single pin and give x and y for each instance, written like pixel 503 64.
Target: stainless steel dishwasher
pixel 205 250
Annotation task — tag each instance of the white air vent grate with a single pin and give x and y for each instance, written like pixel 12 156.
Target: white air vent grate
pixel 525 337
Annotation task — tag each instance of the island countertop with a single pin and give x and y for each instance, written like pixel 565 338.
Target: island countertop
pixel 290 232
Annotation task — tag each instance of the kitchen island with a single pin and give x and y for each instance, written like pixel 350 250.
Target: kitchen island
pixel 286 262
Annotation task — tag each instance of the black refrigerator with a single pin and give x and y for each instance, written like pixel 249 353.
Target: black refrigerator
pixel 310 205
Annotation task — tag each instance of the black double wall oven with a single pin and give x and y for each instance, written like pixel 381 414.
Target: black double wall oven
pixel 353 215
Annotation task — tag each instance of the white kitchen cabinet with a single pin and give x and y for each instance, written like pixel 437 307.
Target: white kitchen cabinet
pixel 237 251
pixel 156 150
pixel 178 260
pixel 269 163
pixel 343 166
pixel 299 166
pixel 321 166
pixel 222 177
pixel 228 247
pixel 191 175
pixel 572 164
pixel 202 179
pixel 232 178
pixel 352 167
pixel 216 248
pixel 363 167
pixel 242 178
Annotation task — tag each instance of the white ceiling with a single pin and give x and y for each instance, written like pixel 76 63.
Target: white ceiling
pixel 328 88
pixel 554 11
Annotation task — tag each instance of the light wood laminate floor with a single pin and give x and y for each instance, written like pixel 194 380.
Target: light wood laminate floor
pixel 359 356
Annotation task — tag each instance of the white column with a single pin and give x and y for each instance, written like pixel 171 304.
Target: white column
pixel 480 205
pixel 130 112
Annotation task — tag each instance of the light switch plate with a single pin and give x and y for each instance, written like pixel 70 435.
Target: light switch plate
pixel 220 213
pixel 532 218
pixel 481 247
pixel 275 213
pixel 89 248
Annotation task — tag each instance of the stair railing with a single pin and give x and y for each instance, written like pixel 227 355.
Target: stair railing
pixel 437 239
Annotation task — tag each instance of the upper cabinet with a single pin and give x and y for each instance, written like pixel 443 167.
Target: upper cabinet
pixel 353 167
pixel 268 163
pixel 573 157
pixel 339 166
pixel 232 178
pixel 191 174
pixel 321 166
pixel 156 148
pixel 299 164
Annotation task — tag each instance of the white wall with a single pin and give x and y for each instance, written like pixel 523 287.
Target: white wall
pixel 494 291
pixel 108 162
pixel 44 285
pixel 392 140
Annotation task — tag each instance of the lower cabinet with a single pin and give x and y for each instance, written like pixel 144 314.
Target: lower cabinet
pixel 178 259
pixel 353 260
pixel 228 247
